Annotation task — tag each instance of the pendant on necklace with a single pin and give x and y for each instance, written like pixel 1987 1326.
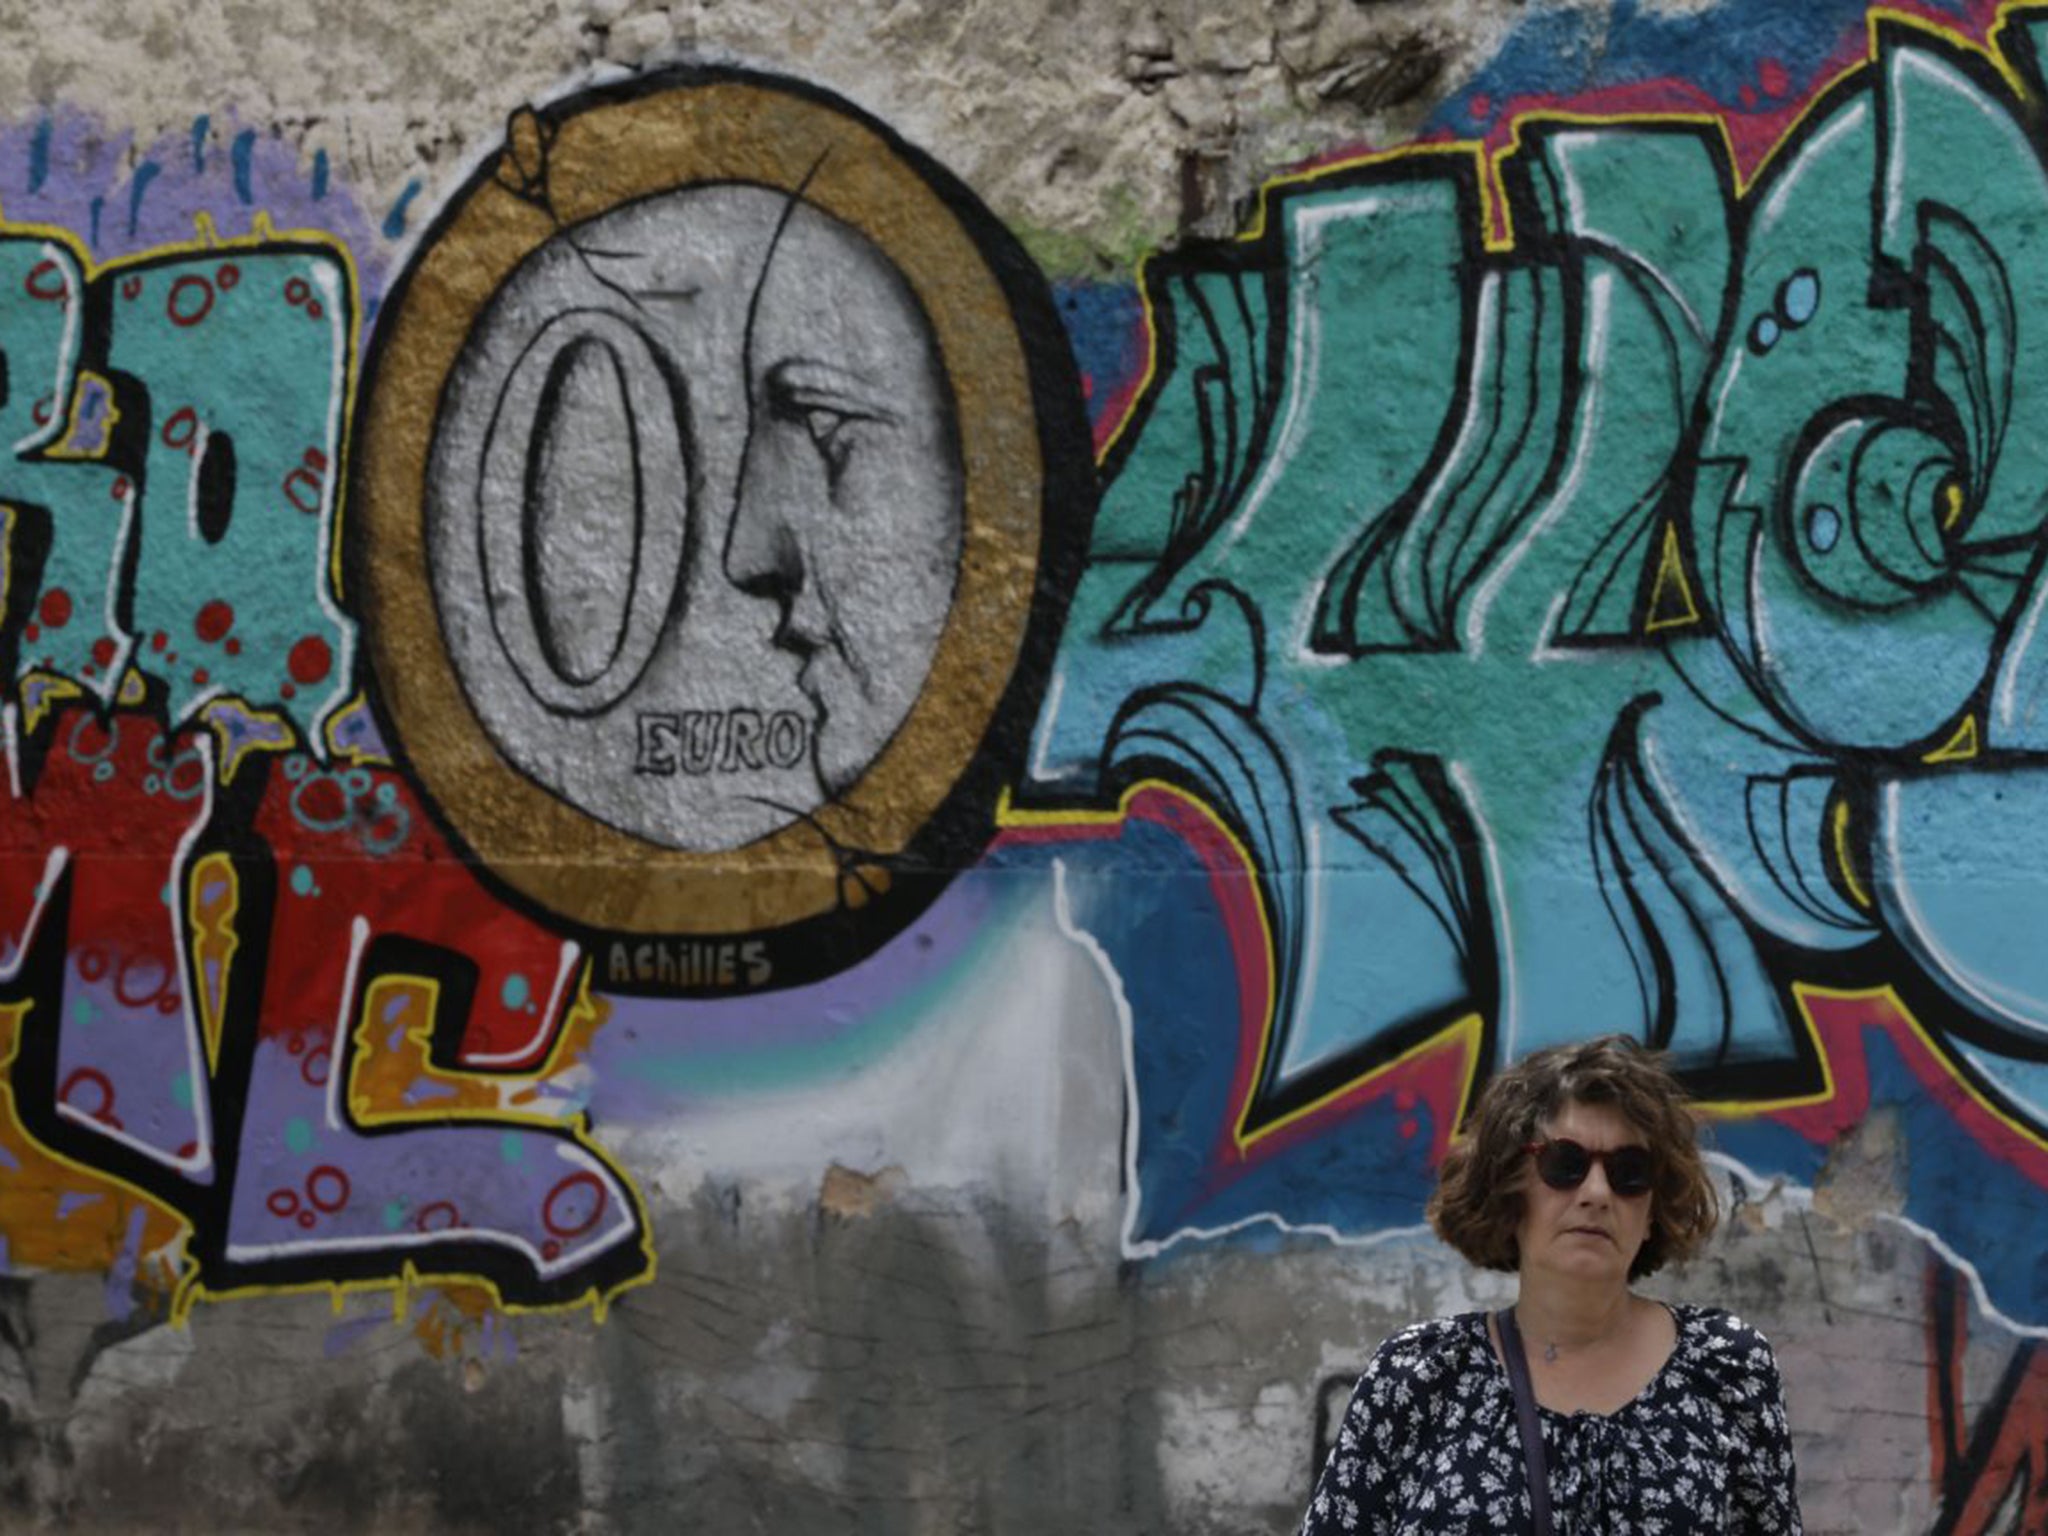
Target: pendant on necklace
pixel 1550 1352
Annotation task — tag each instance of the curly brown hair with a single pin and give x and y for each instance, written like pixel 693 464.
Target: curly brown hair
pixel 1478 1206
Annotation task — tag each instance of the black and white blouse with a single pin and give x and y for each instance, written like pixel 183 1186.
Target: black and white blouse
pixel 1430 1443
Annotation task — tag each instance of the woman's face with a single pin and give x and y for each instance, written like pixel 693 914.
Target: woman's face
pixel 1587 1233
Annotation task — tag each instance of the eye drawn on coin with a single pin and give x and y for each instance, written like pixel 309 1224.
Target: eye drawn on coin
pixel 704 509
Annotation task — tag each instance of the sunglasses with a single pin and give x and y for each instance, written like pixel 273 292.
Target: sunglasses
pixel 1563 1164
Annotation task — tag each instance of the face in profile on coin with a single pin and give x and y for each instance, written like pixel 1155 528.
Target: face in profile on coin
pixel 699 466
pixel 848 516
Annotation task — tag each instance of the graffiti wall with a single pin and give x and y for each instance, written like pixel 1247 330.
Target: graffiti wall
pixel 711 796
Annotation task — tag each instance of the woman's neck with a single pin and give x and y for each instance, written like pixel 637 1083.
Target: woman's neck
pixel 1560 1315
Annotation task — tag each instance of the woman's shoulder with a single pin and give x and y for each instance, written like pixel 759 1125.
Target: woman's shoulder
pixel 1434 1348
pixel 1721 1346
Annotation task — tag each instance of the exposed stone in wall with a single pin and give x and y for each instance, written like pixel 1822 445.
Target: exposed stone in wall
pixel 1098 130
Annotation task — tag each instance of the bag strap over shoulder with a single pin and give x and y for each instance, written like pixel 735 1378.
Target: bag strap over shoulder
pixel 1525 1413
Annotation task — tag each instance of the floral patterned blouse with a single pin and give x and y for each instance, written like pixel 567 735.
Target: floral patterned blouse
pixel 1431 1444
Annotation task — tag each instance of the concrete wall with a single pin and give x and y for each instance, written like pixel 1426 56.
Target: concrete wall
pixel 783 771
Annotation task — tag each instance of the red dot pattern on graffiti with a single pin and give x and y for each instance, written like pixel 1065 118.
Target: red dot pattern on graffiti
pixel 99 791
pixel 146 980
pixel 88 1091
pixel 310 661
pixel 181 428
pixel 305 487
pixel 190 300
pixel 47 281
pixel 574 1206
pixel 327 1187
pixel 365 838
pixel 326 1191
pixel 213 621
pixel 299 294
pixel 440 1216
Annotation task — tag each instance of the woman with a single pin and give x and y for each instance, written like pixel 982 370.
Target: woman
pixel 1578 1172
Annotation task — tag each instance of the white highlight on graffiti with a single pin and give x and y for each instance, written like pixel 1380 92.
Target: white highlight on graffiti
pixel 197 1072
pixel 565 969
pixel 1503 919
pixel 1311 967
pixel 1582 227
pixel 202 434
pixel 1133 1248
pixel 328 278
pixel 1472 421
pixel 2012 720
pixel 1899 92
pixel 1599 305
pixel 1968 1270
pixel 109 684
pixel 1850 120
pixel 1305 338
pixel 39 436
pixel 199 697
pixel 571 1256
pixel 2020 1009
pixel 1697 840
pixel 10 745
pixel 338 1057
pixel 1998 1070
pixel 1554 655
pixel 53 866
pixel 1048 726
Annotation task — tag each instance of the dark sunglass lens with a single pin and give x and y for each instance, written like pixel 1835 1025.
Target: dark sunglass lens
pixel 1628 1170
pixel 1563 1164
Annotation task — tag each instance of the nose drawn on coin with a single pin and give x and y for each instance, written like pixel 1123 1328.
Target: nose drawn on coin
pixel 585 510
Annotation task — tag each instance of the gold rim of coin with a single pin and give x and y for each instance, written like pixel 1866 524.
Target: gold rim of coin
pixel 576 162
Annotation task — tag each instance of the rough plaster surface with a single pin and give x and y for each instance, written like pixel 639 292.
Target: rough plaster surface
pixel 932 1364
pixel 1096 129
